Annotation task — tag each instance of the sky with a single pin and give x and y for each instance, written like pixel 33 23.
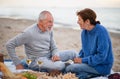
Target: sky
pixel 60 3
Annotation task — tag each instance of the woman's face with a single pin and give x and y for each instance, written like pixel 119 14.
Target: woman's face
pixel 82 24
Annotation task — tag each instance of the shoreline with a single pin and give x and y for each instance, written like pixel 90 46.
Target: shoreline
pixel 61 25
pixel 66 38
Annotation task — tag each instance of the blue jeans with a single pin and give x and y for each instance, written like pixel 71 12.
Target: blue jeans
pixel 82 71
pixel 48 64
pixel 36 68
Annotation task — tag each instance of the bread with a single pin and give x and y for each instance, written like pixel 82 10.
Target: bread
pixel 7 74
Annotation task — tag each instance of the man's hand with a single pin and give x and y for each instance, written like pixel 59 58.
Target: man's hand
pixel 19 66
pixel 55 58
pixel 78 60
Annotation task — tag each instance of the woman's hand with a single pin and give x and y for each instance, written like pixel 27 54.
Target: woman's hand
pixel 78 60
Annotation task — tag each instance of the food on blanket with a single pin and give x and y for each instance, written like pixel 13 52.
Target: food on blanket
pixel 44 75
pixel 6 71
pixel 29 75
pixel 69 76
pixel 7 74
pixel 54 73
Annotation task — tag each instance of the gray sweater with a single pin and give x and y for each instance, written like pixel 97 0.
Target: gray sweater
pixel 36 43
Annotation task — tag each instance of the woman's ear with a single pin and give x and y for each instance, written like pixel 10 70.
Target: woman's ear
pixel 87 21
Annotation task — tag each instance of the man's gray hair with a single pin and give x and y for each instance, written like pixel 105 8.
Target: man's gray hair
pixel 42 15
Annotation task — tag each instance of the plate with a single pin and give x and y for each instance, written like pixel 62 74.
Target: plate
pixel 21 70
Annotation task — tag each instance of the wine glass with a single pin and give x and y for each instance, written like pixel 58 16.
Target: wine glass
pixel 39 62
pixel 28 61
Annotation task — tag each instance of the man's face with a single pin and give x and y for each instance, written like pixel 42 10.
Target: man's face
pixel 47 23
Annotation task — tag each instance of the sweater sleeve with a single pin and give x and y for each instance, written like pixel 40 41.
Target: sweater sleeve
pixel 15 42
pixel 81 54
pixel 101 52
pixel 53 47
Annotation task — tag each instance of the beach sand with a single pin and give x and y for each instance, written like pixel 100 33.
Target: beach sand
pixel 66 38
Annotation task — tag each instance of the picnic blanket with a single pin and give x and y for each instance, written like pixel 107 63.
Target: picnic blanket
pixel 11 66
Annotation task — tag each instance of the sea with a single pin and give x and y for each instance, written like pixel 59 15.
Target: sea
pixel 65 16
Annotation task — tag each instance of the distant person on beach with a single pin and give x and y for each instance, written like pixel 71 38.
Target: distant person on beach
pixel 39 46
pixel 96 56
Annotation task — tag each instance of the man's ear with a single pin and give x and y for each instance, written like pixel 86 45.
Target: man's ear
pixel 40 21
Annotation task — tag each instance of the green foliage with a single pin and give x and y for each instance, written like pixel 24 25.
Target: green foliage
pixel 29 75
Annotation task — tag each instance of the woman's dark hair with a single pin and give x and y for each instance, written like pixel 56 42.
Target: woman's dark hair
pixel 88 14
